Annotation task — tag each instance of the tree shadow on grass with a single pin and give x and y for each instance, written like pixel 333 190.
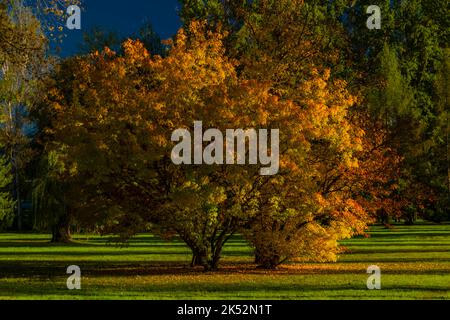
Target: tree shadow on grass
pixel 99 253
pixel 24 243
pixel 44 244
pixel 117 253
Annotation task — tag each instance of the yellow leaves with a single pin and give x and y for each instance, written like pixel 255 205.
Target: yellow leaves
pixel 102 146
pixel 217 196
pixel 161 140
pixel 57 106
pixel 135 51
pixel 73 170
pixel 326 74
pixel 286 164
pixel 198 62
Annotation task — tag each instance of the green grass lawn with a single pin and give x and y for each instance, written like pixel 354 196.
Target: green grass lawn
pixel 414 261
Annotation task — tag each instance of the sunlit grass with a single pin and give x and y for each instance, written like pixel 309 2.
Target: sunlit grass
pixel 415 264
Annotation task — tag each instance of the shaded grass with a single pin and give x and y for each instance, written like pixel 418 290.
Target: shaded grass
pixel 415 264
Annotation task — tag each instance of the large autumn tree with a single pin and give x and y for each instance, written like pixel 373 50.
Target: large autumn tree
pixel 113 118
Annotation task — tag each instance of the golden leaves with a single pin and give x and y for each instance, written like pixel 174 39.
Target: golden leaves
pixel 135 51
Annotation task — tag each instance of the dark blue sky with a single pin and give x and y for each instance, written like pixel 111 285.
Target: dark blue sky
pixel 125 17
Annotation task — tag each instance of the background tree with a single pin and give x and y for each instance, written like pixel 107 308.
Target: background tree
pixel 50 204
pixel 290 37
pixel 6 202
pixel 440 168
pixel 21 56
pixel 151 39
pixel 97 38
pixel 406 55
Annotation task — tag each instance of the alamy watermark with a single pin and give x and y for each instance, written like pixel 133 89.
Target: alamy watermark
pixel 222 149
pixel 374 21
pixel 74 19
pixel 74 280
pixel 374 280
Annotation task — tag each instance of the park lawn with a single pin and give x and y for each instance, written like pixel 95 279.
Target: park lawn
pixel 414 261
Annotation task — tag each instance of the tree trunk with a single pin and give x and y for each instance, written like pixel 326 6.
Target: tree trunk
pixel 214 262
pixel 258 257
pixel 410 218
pixel 267 258
pixel 208 256
pixel 61 230
pixel 200 258
pixel 270 264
